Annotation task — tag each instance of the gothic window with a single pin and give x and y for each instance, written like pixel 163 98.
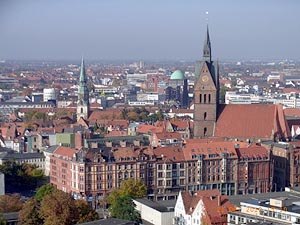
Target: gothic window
pixel 204 98
pixel 200 98
pixel 204 116
pixel 204 131
pixel 209 98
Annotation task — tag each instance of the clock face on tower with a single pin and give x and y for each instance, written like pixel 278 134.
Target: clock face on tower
pixel 204 78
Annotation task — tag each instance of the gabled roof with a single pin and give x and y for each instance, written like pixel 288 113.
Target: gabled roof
pixel 191 199
pixel 262 121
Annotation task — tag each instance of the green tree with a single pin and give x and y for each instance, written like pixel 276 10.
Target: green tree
pixel 2 221
pixel 43 191
pixel 222 93
pixel 20 177
pixel 124 208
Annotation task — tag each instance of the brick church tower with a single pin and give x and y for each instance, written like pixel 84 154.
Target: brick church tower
pixel 206 93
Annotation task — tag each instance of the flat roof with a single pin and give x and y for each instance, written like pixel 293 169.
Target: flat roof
pixel 237 199
pixel 161 206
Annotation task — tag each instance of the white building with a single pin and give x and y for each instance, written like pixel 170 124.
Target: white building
pixel 201 207
pixel 156 212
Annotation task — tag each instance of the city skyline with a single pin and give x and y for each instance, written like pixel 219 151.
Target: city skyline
pixel 151 30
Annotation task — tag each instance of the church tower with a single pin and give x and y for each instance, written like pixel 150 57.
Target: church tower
pixel 206 93
pixel 83 105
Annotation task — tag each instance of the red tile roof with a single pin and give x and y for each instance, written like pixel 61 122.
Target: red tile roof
pixel 191 199
pixel 65 152
pixel 216 148
pixel 289 90
pixel 145 128
pixel 168 135
pixel 104 114
pixel 252 121
pixel 292 112
pixel 253 151
pixel 171 153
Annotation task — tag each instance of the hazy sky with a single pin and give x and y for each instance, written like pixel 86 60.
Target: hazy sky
pixel 149 29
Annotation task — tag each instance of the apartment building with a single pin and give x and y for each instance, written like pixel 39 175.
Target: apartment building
pixel 225 165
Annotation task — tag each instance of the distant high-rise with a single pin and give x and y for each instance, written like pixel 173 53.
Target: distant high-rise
pixel 83 105
pixel 206 93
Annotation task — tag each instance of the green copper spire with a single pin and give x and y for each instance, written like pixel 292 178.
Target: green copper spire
pixel 83 104
pixel 207 47
pixel 82 78
pixel 82 88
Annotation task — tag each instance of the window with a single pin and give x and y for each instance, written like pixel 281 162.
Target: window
pixel 209 98
pixel 204 115
pixel 81 110
pixel 205 131
pixel 200 98
pixel 204 98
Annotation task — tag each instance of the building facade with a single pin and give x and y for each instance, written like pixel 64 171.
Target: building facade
pixel 91 174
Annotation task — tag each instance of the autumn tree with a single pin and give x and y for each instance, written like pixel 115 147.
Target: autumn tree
pixel 85 212
pixel 131 187
pixel 10 203
pixel 51 206
pixel 58 208
pixel 30 213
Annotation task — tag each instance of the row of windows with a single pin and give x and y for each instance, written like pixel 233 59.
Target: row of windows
pixel 205 98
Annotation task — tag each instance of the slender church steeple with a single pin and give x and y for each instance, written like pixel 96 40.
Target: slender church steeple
pixel 206 93
pixel 207 47
pixel 83 94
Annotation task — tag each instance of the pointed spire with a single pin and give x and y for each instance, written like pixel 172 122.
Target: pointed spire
pixel 82 72
pixel 207 47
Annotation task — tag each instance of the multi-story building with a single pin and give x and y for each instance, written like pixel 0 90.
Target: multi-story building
pixel 286 156
pixel 197 165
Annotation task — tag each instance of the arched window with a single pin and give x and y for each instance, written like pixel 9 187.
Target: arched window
pixel 209 98
pixel 204 131
pixel 200 98
pixel 204 98
pixel 204 115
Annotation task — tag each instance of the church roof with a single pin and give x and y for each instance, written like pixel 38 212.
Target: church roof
pixel 261 121
pixel 177 75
